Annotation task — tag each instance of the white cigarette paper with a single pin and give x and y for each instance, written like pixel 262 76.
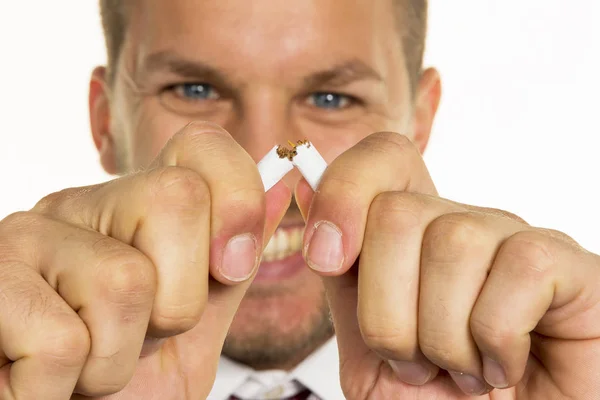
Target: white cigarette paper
pixel 310 163
pixel 273 168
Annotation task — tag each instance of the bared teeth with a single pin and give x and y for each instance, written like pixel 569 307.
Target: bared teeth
pixel 270 249
pixel 283 244
pixel 297 239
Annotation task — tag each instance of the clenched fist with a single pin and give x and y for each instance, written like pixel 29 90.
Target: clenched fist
pixel 432 299
pixel 151 265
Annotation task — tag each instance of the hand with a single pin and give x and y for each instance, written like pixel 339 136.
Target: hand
pixel 89 273
pixel 435 299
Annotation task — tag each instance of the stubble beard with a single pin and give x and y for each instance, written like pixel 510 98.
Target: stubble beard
pixel 270 348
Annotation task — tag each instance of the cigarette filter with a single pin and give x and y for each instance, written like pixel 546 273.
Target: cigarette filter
pixel 280 160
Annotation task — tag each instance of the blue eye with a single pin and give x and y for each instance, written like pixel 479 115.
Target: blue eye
pixel 331 101
pixel 196 91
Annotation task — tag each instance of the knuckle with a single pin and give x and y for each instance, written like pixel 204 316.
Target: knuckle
pixel 177 318
pixel 502 214
pixel 49 202
pixel 494 335
pixel 196 134
pixel 128 279
pixel 16 283
pixel 193 134
pixel 67 342
pixel 444 347
pixel 401 142
pixel 387 341
pixel 441 352
pixel 247 202
pixel 179 187
pixel 529 252
pixel 103 376
pixel 553 234
pixel 19 221
pixel 449 236
pixel 389 143
pixel 198 126
pixel 396 212
pixel 448 347
pixel 16 230
pixel 335 184
pixel 62 203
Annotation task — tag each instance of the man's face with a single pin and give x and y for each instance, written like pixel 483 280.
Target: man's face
pixel 330 71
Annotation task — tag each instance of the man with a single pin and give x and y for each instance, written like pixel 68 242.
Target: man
pixel 134 288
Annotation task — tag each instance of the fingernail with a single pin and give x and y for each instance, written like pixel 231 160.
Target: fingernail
pixel 468 384
pixel 325 252
pixel 410 372
pixel 239 258
pixel 494 373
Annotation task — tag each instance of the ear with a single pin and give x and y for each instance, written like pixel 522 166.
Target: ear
pixel 427 100
pixel 99 106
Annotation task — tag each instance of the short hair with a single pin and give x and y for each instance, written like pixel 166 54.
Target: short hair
pixel 412 22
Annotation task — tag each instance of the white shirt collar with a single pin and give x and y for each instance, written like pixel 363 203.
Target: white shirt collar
pixel 319 372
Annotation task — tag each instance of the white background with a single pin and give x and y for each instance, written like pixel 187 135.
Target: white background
pixel 518 127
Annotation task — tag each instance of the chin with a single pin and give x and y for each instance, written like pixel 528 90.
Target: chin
pixel 280 322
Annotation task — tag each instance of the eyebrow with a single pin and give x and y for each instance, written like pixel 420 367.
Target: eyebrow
pixel 339 75
pixel 168 61
pixel 343 74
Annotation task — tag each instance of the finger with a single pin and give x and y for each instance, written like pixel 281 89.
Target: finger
pixel 388 281
pixel 200 348
pixel 43 343
pixel 203 192
pixel 165 214
pixel 109 284
pixel 44 338
pixel 383 162
pixel 533 286
pixel 237 196
pixel 457 254
pixel 112 287
pixel 336 222
pixel 241 212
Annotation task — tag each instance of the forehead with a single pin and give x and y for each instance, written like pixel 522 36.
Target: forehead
pixel 272 36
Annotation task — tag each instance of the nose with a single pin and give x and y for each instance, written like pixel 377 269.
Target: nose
pixel 262 120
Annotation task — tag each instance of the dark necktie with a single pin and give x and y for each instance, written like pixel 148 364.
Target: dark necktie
pixel 303 395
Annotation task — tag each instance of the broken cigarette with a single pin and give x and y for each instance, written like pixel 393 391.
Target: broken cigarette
pixel 280 160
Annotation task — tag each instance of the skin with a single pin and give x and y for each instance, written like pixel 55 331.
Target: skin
pixel 439 289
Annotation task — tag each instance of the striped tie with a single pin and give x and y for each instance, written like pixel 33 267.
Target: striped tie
pixel 306 394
